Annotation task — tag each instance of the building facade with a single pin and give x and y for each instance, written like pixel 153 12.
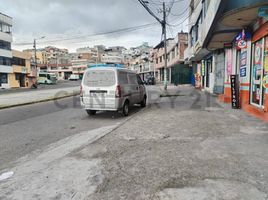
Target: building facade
pixel 5 50
pixel 228 44
pixel 177 71
pixel 140 59
pixel 24 74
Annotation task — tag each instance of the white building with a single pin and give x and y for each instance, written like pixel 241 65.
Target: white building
pixel 202 43
pixel 5 50
pixel 112 57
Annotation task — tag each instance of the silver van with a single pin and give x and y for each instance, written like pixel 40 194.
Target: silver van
pixel 111 89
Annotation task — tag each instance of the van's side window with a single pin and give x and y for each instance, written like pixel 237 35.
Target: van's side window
pixel 140 82
pixel 122 78
pixel 132 79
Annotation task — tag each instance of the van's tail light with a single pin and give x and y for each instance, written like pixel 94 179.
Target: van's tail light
pixel 81 91
pixel 118 91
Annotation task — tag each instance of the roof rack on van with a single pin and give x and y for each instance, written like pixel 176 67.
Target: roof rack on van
pixel 106 65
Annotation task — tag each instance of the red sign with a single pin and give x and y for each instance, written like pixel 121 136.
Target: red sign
pixel 242 44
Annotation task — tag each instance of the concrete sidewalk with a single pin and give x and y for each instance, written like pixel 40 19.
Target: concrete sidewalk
pixel 29 97
pixel 186 147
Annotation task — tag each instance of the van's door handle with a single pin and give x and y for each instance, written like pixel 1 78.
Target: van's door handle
pixel 137 88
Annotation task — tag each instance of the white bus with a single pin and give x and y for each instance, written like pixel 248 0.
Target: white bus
pixel 46 78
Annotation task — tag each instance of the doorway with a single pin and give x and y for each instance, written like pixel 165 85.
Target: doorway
pixel 257 74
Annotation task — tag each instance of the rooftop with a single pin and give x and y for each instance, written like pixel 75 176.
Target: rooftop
pixel 5 15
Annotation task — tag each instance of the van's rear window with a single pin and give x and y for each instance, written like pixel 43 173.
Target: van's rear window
pixel 99 78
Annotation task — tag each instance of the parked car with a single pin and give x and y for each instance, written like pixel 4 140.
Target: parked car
pixel 150 80
pixel 111 89
pixel 73 77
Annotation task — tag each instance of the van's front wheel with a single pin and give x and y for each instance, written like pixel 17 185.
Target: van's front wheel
pixel 91 112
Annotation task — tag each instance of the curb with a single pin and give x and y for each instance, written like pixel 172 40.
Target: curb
pixel 39 101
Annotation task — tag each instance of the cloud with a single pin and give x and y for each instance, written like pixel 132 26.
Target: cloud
pixel 58 19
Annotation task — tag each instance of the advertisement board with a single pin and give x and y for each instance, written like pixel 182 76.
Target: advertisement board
pixel 243 63
pixel 235 91
pixel 229 62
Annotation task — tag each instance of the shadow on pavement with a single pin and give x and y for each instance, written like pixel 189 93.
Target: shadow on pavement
pixel 114 114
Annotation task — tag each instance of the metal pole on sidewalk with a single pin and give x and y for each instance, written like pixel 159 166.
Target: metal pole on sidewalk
pixel 35 57
pixel 165 44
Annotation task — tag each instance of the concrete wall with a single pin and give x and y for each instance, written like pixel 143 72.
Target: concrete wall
pixel 13 83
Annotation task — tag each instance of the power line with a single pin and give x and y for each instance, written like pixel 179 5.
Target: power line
pixel 180 23
pixel 150 11
pixel 161 3
pixel 171 31
pixel 180 14
pixel 129 29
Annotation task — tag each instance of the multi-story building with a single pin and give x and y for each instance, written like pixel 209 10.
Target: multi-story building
pixel 111 58
pixel 23 75
pixel 229 39
pixel 83 58
pixel 41 56
pixel 53 53
pixel 177 71
pixel 113 55
pixel 49 55
pixel 5 50
pixel 92 53
pixel 140 59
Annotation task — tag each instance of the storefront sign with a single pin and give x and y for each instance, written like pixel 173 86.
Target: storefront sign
pixel 229 62
pixel 243 63
pixel 203 68
pixel 245 35
pixel 227 45
pixel 235 91
pixel 258 52
pixel 242 44
pixel 241 39
pixel 265 82
pixel 243 72
pixel 263 11
pixel 266 56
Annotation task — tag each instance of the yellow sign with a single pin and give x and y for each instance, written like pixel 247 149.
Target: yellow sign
pixel 265 81
pixel 266 56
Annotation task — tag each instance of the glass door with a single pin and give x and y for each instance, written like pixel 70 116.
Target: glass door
pixel 257 91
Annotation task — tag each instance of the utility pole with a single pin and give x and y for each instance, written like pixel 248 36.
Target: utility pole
pixel 35 56
pixel 164 31
pixel 165 44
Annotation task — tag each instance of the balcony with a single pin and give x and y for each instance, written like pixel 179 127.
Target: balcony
pixel 6 53
pixel 6 69
pixel 5 36
pixel 234 16
pixel 241 13
pixel 5 19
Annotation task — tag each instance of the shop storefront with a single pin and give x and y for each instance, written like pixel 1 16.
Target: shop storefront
pixel 248 59
pixel 259 68
pixel 207 75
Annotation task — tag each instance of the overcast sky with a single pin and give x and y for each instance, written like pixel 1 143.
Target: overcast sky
pixel 60 20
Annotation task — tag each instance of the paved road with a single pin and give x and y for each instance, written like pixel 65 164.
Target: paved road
pixel 28 128
pixel 63 84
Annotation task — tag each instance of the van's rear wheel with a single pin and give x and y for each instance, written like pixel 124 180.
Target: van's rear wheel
pixel 126 108
pixel 143 103
pixel 91 112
